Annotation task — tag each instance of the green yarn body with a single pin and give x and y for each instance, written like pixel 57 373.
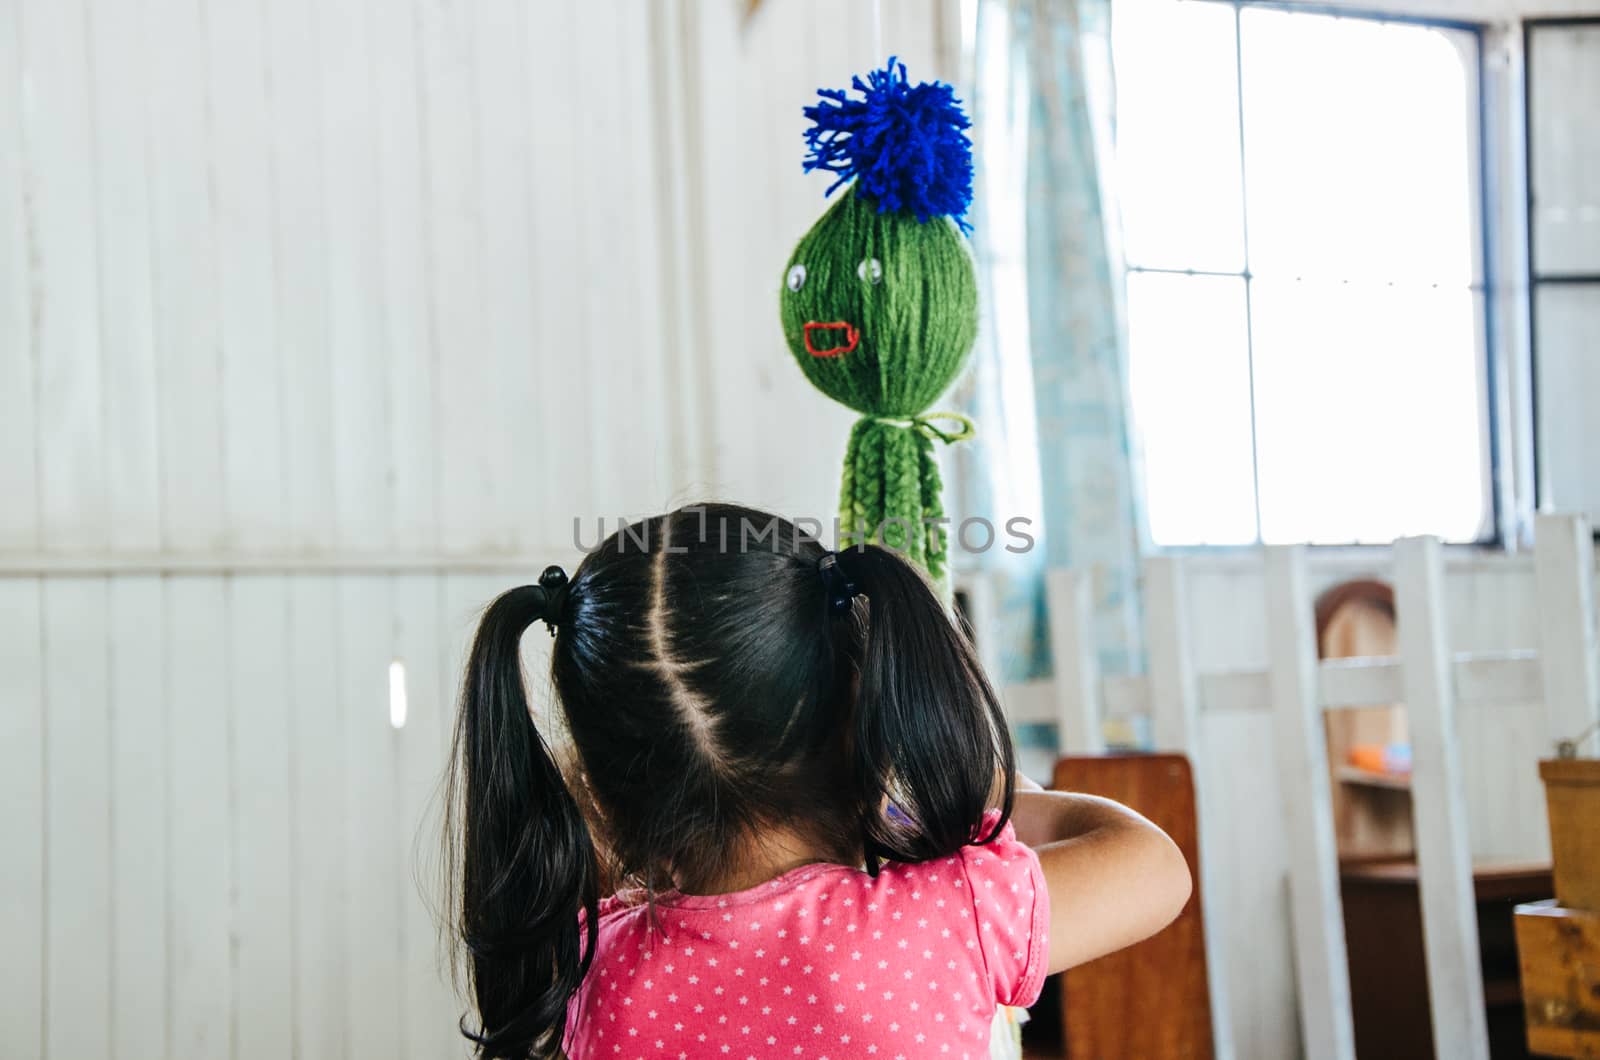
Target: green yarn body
pixel 891 493
pixel 914 329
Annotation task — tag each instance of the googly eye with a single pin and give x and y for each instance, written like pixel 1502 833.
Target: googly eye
pixel 796 278
pixel 871 271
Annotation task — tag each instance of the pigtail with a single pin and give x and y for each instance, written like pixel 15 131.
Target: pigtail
pixel 526 883
pixel 929 732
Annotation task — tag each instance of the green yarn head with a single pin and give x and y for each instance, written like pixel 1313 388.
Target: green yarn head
pixel 880 309
pixel 880 299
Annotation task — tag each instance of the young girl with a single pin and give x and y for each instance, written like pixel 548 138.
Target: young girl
pixel 789 826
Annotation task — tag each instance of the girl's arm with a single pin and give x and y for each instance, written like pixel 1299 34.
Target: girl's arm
pixel 1114 878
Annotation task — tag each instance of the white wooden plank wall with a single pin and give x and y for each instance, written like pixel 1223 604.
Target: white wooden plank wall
pixel 77 824
pixel 774 441
pixel 218 845
pixel 310 278
pixel 19 520
pixel 262 820
pixel 22 816
pixel 309 311
pixel 141 902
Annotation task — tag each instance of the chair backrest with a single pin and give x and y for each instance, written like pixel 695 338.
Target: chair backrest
pixel 1257 740
pixel 1152 999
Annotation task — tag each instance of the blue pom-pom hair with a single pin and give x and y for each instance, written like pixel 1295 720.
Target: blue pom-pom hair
pixel 903 144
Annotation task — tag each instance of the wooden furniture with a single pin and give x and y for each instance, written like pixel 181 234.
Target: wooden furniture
pixel 1371 811
pixel 1203 697
pixel 1150 1001
pixel 1572 796
pixel 1560 962
pixel 1388 970
pixel 1558 940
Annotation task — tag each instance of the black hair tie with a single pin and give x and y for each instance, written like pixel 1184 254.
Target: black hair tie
pixel 841 590
pixel 553 580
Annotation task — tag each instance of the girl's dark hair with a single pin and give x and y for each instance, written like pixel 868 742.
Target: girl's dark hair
pixel 709 690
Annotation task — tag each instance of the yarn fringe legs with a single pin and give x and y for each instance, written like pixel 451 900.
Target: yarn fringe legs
pixel 890 495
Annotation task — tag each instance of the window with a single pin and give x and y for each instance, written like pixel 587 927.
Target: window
pixel 1306 293
pixel 1562 58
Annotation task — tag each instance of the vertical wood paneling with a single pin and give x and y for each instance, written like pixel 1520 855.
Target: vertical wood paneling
pixel 518 361
pixel 737 211
pixel 317 790
pixel 360 397
pixel 676 278
pixel 1251 887
pixel 1316 916
pixel 610 439
pixel 405 324
pixel 430 1010
pixel 372 860
pixel 60 195
pixel 464 598
pixel 1077 682
pixel 242 177
pixel 1564 569
pixel 260 700
pixel 1438 805
pixel 301 263
pixel 649 438
pixel 184 277
pixel 200 793
pixel 468 452
pixel 758 190
pixel 22 815
pixel 127 327
pixel 1174 693
pixel 77 819
pixel 19 527
pixel 139 839
pixel 564 370
pixel 1175 725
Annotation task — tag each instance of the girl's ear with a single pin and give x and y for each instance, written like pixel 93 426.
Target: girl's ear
pixel 929 732
pixel 527 891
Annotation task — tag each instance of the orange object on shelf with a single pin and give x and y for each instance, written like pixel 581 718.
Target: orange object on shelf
pixel 1381 758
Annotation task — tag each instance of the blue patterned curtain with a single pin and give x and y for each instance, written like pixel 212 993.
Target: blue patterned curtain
pixel 1049 388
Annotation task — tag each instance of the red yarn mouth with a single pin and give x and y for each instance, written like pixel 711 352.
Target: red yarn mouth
pixel 851 337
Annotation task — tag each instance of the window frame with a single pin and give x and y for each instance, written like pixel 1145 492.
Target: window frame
pixel 1534 279
pixel 1494 535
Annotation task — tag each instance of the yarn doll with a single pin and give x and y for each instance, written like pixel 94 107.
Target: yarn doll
pixel 880 298
pixel 880 308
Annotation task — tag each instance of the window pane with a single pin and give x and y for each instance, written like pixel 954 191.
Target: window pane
pixel 1568 361
pixel 1368 412
pixel 1177 165
pixel 1190 377
pixel 1359 148
pixel 1563 87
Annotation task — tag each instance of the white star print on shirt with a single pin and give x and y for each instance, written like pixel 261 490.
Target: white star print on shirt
pixel 990 933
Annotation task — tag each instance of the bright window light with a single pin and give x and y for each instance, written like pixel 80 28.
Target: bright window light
pixel 1305 291
pixel 397 694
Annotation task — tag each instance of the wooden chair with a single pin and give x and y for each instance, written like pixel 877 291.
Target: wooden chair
pixel 1150 1001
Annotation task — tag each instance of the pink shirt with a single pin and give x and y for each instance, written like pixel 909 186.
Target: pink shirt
pixel 822 962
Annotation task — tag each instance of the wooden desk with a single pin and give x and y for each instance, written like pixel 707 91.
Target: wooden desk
pixel 1151 1001
pixel 1388 971
pixel 1560 950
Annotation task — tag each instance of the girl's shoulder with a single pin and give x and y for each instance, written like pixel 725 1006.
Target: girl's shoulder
pixel 1002 906
pixel 997 858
